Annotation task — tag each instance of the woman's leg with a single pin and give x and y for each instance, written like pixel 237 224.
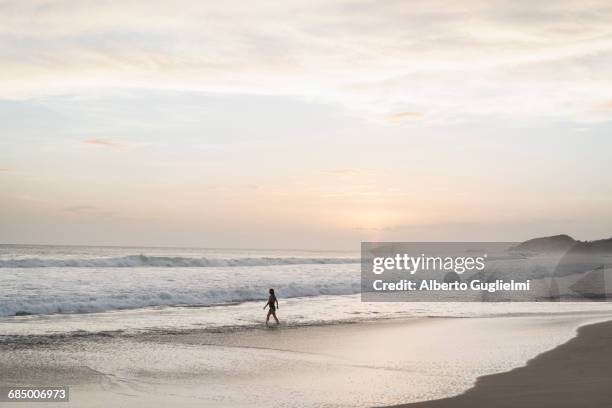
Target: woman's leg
pixel 275 318
pixel 268 316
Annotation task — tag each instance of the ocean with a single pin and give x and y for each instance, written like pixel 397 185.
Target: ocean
pixel 185 326
pixel 51 289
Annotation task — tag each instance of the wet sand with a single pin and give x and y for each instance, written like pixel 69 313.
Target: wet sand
pixel 575 374
pixel 345 365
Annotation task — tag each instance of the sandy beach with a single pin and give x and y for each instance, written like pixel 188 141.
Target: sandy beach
pixel 575 374
pixel 417 192
pixel 379 363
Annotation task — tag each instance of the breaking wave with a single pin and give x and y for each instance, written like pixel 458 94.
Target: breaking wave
pixel 122 298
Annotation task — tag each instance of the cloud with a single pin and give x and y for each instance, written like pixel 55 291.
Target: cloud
pixel 102 142
pixel 448 58
pixel 605 106
pixel 80 208
pixel 342 171
pixel 404 115
pixel 89 210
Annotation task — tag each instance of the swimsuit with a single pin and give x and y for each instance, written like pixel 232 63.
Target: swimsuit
pixel 271 304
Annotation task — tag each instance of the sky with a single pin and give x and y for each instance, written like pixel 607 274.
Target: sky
pixel 304 124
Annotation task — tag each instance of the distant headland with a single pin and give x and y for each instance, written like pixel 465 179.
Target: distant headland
pixel 562 243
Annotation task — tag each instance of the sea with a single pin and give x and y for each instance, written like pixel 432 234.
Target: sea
pixel 62 289
pixel 134 326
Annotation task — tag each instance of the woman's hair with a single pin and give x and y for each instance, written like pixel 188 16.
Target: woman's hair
pixel 272 291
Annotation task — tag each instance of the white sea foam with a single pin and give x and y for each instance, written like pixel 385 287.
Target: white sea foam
pixel 104 296
pixel 71 280
pixel 42 280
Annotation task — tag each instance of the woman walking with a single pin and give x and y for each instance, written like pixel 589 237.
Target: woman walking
pixel 273 304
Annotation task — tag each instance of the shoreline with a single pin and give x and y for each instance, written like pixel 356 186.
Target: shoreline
pixel 573 374
pixel 365 364
pixel 296 312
